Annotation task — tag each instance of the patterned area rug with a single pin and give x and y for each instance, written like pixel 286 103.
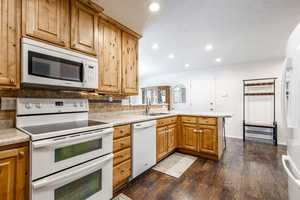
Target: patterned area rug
pixel 121 197
pixel 176 164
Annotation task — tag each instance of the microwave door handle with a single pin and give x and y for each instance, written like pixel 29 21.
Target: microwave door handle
pixel 81 138
pixel 84 73
pixel 71 175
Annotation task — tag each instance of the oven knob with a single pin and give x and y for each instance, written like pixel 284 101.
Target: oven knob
pixel 28 105
pixel 75 105
pixel 81 104
pixel 38 105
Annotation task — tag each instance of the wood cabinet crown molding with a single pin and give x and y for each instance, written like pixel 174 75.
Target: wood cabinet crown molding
pixel 95 6
pixel 120 26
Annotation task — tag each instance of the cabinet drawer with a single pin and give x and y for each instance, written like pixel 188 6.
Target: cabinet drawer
pixel 122 131
pixel 207 120
pixel 121 172
pixel 121 143
pixel 187 119
pixel 163 122
pixel 121 156
pixel 172 120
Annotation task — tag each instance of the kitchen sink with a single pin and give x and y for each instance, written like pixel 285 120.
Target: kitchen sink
pixel 158 114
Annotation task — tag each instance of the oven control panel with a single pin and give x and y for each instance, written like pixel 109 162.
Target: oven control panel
pixel 28 106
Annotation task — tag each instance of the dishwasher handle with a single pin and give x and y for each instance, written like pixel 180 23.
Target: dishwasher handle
pixel 144 125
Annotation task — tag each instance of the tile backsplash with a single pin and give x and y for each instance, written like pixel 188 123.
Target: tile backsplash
pixel 97 103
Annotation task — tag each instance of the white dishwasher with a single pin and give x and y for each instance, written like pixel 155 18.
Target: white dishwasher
pixel 143 147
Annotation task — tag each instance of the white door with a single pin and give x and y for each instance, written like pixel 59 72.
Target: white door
pixel 203 94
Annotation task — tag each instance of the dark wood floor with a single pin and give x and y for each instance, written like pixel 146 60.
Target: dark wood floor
pixel 249 171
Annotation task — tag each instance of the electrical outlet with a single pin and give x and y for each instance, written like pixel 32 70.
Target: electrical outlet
pixel 125 102
pixel 8 103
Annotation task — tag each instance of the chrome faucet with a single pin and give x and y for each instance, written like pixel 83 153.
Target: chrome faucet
pixel 148 107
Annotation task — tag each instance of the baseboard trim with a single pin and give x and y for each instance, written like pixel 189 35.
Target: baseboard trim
pixel 237 137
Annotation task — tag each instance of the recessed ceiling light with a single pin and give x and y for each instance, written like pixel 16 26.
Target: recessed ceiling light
pixel 171 56
pixel 298 47
pixel 154 7
pixel 209 47
pixel 155 46
pixel 187 65
pixel 218 60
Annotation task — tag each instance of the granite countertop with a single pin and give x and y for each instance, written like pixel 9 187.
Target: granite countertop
pixel 119 118
pixel 12 136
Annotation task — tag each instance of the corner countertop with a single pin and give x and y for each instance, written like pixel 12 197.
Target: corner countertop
pixel 12 136
pixel 119 118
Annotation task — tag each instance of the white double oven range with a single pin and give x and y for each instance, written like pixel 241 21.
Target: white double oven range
pixel 71 157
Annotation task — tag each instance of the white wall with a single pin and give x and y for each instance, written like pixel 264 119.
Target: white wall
pixel 228 91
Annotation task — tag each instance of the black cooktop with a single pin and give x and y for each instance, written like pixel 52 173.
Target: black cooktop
pixel 61 126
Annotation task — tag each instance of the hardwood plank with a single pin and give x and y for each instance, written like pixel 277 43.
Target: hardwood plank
pixel 247 171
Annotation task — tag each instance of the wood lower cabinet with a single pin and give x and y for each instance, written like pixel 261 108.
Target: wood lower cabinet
pixel 110 58
pixel 200 135
pixel 121 173
pixel 172 137
pixel 166 137
pixel 129 64
pixel 122 156
pixel 10 26
pixel 161 143
pixel 208 139
pixel 84 28
pixel 189 137
pixel 13 174
pixel 48 20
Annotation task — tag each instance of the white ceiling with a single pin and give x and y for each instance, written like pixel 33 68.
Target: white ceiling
pixel 241 30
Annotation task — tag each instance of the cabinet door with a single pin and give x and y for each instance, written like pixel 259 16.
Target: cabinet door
pixel 47 20
pixel 129 64
pixel 84 28
pixel 10 15
pixel 13 174
pixel 172 134
pixel 110 58
pixel 208 139
pixel 161 143
pixel 189 137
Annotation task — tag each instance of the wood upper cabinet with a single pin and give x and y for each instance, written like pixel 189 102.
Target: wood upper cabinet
pixel 129 64
pixel 189 137
pixel 208 139
pixel 172 141
pixel 109 58
pixel 13 174
pixel 161 143
pixel 47 20
pixel 10 15
pixel 84 28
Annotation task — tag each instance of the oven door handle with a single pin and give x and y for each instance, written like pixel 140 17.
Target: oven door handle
pixel 75 174
pixel 68 139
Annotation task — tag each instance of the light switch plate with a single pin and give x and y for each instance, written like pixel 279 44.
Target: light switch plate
pixel 8 103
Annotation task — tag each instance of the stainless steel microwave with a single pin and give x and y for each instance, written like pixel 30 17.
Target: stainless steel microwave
pixel 44 65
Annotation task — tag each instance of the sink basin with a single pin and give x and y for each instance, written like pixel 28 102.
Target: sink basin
pixel 158 114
